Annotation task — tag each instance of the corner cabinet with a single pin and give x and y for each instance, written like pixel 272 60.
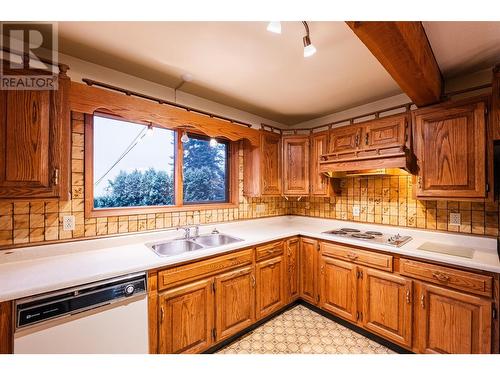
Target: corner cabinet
pixel 262 166
pixel 450 145
pixel 35 143
pixel 295 165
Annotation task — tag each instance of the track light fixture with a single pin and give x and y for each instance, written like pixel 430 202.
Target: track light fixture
pixel 274 27
pixel 309 48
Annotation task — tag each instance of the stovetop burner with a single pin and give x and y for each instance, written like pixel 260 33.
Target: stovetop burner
pixel 362 235
pixel 371 236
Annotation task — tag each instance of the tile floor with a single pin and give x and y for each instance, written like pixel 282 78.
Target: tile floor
pixel 303 331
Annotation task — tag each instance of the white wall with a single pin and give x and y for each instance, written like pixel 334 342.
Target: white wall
pixel 83 69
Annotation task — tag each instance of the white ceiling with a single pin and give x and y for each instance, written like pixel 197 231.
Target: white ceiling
pixel 240 64
pixel 464 47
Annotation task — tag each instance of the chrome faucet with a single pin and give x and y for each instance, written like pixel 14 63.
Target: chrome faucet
pixel 187 231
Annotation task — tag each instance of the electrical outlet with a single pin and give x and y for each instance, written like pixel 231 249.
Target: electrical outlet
pixel 355 210
pixel 454 218
pixel 69 222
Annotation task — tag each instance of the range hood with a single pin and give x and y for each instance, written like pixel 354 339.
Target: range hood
pixel 380 162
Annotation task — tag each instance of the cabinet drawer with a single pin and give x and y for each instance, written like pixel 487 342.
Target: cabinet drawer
pixel 367 258
pixel 268 251
pixel 462 280
pixel 185 273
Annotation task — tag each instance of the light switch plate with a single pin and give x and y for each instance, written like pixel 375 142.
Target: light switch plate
pixel 454 218
pixel 69 222
pixel 355 210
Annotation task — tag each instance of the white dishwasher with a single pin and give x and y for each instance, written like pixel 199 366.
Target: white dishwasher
pixel 105 317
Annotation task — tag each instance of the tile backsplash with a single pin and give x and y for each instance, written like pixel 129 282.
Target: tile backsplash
pixel 389 200
pixel 381 200
pixel 39 221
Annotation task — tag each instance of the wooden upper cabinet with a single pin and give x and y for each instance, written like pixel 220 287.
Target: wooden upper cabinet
pixel 495 103
pixel 271 164
pixel 262 166
pixel 338 288
pixel 186 318
pixel 234 301
pixel 345 139
pixel 308 276
pixel 295 165
pixel 452 322
pixel 292 252
pixel 385 132
pixel 387 305
pixel 35 143
pixel 451 150
pixel 270 288
pixel 320 185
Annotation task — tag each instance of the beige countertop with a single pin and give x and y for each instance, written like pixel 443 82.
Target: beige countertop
pixel 38 269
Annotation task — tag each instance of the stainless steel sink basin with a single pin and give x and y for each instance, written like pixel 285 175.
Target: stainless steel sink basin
pixel 174 247
pixel 211 240
pixel 184 245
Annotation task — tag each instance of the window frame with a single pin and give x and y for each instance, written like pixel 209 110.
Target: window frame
pixel 232 169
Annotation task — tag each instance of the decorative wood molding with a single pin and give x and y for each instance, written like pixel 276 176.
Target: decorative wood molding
pixel 86 99
pixel 404 51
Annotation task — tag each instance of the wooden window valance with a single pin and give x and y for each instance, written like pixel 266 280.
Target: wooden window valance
pixel 87 99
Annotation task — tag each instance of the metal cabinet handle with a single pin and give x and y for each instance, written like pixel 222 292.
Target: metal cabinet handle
pixel 352 256
pixel 322 269
pixel 422 301
pixel 419 182
pixel 408 296
pixel 356 140
pixel 253 280
pixel 442 277
pixel 357 315
pixel 162 314
pixel 367 137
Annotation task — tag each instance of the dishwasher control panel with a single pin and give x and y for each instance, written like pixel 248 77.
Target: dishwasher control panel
pixel 37 309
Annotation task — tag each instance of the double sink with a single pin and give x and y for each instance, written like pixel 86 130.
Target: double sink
pixel 184 245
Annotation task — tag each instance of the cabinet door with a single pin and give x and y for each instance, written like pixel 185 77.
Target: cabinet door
pixel 387 305
pixel 495 104
pixel 452 322
pixel 338 288
pixel 320 184
pixel 234 302
pixel 385 132
pixel 345 138
pixel 292 268
pixel 296 165
pixel 186 318
pixel 270 163
pixel 270 287
pixel 450 147
pixel 34 143
pixel 309 270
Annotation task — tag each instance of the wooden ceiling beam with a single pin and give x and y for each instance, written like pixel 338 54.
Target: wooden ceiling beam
pixel 405 52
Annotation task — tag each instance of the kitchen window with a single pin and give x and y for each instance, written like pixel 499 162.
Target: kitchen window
pixel 133 168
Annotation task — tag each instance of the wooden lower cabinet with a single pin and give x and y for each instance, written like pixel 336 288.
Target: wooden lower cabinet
pixel 338 288
pixel 308 276
pixel 452 322
pixel 270 288
pixel 187 318
pixel 387 305
pixel 292 252
pixel 234 302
